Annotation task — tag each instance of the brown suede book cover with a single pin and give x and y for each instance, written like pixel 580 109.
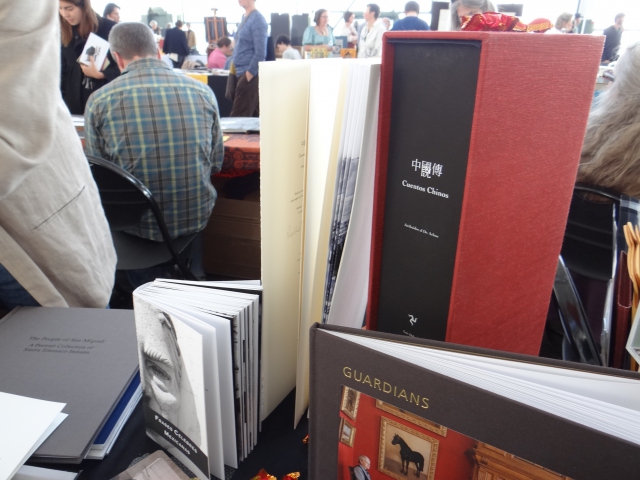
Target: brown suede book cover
pixel 414 423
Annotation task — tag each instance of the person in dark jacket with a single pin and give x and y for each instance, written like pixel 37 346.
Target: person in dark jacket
pixel 176 45
pixel 410 20
pixel 77 21
pixel 613 36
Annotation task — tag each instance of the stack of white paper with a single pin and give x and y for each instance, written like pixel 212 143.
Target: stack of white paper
pixel 26 423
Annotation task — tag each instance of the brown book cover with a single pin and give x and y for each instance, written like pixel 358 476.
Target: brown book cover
pixel 411 422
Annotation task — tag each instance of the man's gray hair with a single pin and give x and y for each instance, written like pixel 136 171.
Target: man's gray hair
pixel 132 39
pixel 363 458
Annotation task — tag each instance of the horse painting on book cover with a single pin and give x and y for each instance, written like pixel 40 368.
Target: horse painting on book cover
pixel 406 453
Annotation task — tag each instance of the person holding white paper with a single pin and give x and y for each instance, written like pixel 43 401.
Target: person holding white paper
pixel 77 21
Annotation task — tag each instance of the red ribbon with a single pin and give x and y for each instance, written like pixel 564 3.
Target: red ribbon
pixel 499 22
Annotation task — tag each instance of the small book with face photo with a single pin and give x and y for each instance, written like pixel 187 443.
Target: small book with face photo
pixel 97 48
pixel 172 378
pixel 198 353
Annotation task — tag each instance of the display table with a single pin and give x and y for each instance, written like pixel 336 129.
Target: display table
pixel 279 451
pixel 241 154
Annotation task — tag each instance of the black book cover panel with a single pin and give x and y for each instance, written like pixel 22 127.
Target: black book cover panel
pixel 433 99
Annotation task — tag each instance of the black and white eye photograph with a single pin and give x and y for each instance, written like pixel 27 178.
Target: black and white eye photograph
pixel 171 371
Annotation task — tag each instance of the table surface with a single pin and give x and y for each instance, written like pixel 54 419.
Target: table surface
pixel 279 450
pixel 241 154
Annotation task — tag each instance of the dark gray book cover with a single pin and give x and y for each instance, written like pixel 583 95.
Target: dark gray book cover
pixel 419 395
pixel 83 357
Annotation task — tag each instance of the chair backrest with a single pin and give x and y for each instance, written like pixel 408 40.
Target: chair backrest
pixel 124 198
pixel 589 246
pixel 352 473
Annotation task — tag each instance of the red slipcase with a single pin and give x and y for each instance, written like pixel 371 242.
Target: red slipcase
pixel 532 101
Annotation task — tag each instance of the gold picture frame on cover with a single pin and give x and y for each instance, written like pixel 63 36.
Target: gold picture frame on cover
pixel 405 452
pixel 349 402
pixel 347 432
pixel 412 417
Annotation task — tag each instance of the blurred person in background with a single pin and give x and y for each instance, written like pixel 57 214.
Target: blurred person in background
pixel 370 43
pixel 348 29
pixel 613 36
pixel 410 20
pixel 218 57
pixel 465 8
pixel 564 24
pixel 611 149
pixel 284 48
pixel 577 23
pixel 78 81
pixel 249 51
pixel 112 12
pixel 155 28
pixel 319 35
pixel 191 38
pixel 175 45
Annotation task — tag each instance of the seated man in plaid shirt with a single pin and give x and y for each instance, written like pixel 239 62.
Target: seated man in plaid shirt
pixel 162 127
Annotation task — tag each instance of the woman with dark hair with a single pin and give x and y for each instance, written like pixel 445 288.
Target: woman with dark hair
pixel 611 149
pixel 77 21
pixel 320 35
pixel 349 30
pixel 465 8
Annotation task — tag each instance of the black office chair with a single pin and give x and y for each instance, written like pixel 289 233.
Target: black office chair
pixel 125 201
pixel 589 246
pixel 584 282
pixel 352 474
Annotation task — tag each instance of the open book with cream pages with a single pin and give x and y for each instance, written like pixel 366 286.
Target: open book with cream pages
pixel 317 163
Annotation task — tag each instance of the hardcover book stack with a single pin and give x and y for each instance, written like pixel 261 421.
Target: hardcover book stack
pixel 82 358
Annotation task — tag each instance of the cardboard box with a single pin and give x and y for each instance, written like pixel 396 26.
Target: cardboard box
pixel 232 238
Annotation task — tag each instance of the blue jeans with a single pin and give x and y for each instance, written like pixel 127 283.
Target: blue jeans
pixel 12 294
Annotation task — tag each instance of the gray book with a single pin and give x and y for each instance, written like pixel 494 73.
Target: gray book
pixel 83 357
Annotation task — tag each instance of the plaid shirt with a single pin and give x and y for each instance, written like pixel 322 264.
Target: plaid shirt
pixel 164 129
